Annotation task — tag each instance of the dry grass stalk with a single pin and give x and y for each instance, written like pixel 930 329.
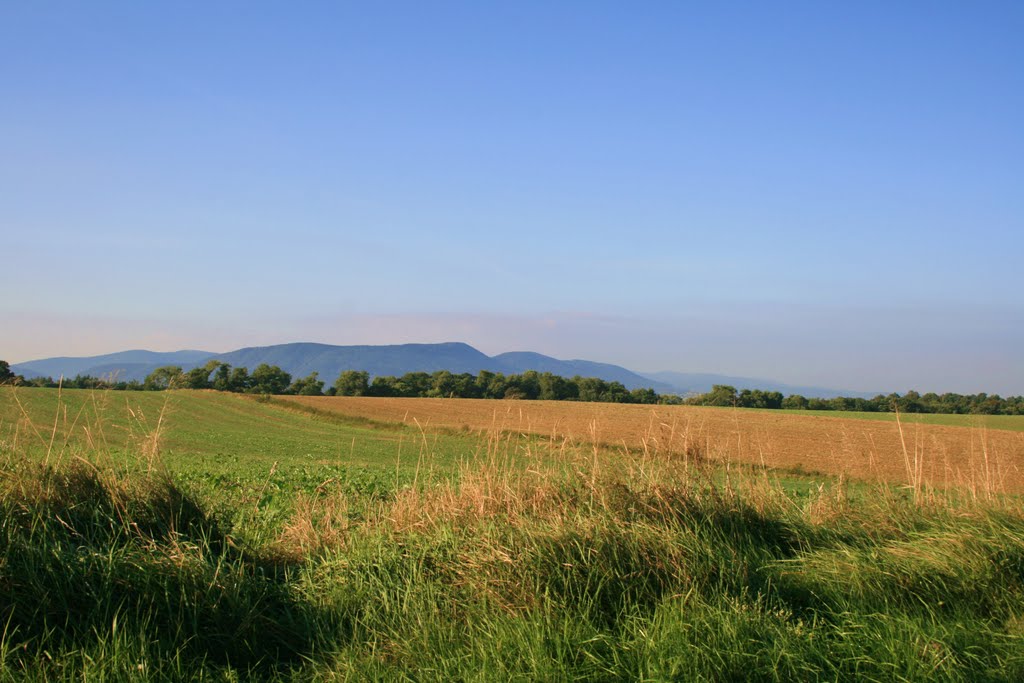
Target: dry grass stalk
pixel 319 521
pixel 861 449
pixel 830 504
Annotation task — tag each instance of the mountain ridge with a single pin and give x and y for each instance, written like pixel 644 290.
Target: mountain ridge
pixel 302 358
pixel 701 382
pixel 69 366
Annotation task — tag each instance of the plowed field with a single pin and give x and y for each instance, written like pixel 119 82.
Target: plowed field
pixel 983 460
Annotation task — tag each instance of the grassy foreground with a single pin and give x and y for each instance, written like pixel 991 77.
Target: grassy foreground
pixel 522 560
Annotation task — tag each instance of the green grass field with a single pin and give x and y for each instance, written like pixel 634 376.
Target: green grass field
pixel 215 431
pixel 1010 422
pixel 187 555
pixel 226 444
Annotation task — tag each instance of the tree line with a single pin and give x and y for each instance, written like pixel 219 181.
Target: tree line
pixel 530 385
pixel 271 379
pixel 910 402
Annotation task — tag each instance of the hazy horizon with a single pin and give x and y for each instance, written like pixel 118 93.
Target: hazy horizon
pixel 588 337
pixel 818 195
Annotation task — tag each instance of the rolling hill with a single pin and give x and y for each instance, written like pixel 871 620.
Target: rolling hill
pixel 301 359
pixel 126 365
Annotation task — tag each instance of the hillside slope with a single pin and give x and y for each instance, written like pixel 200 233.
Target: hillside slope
pixel 301 359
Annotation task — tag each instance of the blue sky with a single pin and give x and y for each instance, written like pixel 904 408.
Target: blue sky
pixel 825 193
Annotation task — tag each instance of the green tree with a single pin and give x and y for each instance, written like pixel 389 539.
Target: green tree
pixel 40 382
pixel 222 377
pixel 166 377
pixel 199 378
pixel 842 403
pixel 6 374
pixel 466 387
pixel 795 402
pixel 555 388
pixel 385 385
pixel 196 378
pixel 352 383
pixel 722 395
pixel 615 392
pixel 307 386
pixel 589 388
pixel 983 404
pixel 269 379
pixel 87 382
pixel 414 384
pixel 911 403
pixel 756 398
pixel 645 396
pixel 239 381
pixel 529 384
pixel 442 385
pixel 491 384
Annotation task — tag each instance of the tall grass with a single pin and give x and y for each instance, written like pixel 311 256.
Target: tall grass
pixel 540 559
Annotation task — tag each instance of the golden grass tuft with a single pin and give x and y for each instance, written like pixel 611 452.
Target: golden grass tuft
pixel 317 522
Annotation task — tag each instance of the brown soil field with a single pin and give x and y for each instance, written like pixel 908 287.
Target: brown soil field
pixel 985 461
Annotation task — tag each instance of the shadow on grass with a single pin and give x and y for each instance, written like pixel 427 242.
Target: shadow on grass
pixel 83 556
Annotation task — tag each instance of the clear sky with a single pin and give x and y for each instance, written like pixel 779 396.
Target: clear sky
pixel 826 193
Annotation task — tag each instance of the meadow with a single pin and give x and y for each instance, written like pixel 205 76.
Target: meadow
pixel 193 535
pixel 981 453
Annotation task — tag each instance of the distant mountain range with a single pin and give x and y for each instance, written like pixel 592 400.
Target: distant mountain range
pixel 126 365
pixel 301 359
pixel 699 383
